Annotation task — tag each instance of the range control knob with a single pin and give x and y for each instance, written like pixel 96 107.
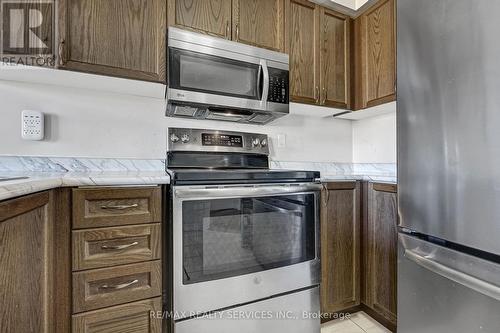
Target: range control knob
pixel 184 138
pixel 255 142
pixel 263 142
pixel 174 138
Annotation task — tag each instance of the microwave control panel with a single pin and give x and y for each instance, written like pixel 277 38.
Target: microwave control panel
pixel 278 86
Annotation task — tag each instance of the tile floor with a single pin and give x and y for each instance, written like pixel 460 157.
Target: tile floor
pixel 358 322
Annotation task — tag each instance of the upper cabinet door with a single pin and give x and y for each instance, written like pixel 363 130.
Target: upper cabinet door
pixel 334 59
pixel 303 38
pixel 125 38
pixel 259 23
pixel 377 50
pixel 209 16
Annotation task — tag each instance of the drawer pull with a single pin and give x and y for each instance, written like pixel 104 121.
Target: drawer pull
pixel 119 286
pixel 120 207
pixel 118 247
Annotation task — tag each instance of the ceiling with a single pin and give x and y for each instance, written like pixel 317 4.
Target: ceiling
pixel 353 4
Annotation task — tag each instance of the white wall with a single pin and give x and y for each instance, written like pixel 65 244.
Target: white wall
pixel 85 123
pixel 374 139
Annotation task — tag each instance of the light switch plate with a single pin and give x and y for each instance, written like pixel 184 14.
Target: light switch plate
pixel 32 125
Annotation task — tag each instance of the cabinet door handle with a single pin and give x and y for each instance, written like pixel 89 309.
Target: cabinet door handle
pixel 119 286
pixel 316 94
pixel 119 247
pixel 62 45
pixel 228 36
pixel 237 32
pixel 325 95
pixel 120 207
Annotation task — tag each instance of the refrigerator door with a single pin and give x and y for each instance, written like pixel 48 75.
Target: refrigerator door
pixel 440 290
pixel 448 120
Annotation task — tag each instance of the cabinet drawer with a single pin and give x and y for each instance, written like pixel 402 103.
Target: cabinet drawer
pixel 104 247
pixel 105 207
pixel 104 287
pixel 133 317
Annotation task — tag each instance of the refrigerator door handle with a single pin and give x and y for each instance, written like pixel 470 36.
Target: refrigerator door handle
pixel 471 282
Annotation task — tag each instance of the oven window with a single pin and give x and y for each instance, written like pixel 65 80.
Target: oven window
pixel 229 237
pixel 214 75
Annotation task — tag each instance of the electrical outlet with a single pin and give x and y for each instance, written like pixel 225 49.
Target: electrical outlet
pixel 281 140
pixel 32 127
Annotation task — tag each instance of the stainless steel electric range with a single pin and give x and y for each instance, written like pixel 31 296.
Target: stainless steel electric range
pixel 243 245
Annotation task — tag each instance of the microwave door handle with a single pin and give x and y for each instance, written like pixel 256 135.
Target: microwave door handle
pixel 265 88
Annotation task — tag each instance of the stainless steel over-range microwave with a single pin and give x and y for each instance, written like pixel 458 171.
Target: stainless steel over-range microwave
pixel 218 79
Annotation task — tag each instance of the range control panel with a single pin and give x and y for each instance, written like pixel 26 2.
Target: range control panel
pixel 200 140
pixel 278 86
pixel 221 140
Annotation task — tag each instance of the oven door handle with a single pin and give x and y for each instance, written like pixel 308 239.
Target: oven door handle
pixel 210 192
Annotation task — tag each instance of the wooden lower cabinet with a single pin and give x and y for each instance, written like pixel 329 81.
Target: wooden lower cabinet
pixel 359 249
pixel 34 264
pixel 117 271
pixel 120 292
pixel 340 246
pixel 138 317
pixel 380 244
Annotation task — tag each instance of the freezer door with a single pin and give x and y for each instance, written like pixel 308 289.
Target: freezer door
pixel 293 313
pixel 436 292
pixel 448 120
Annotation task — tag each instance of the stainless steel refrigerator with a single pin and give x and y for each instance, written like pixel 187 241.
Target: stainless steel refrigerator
pixel 449 165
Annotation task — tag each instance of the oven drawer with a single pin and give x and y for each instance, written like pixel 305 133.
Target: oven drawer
pixel 133 317
pixel 104 247
pixel 104 287
pixel 105 207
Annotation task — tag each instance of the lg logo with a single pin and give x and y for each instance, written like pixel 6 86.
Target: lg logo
pixel 27 28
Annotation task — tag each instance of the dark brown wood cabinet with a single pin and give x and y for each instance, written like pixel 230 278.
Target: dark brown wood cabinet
pixel 117 275
pixel 319 48
pixel 114 37
pixel 380 250
pixel 34 261
pixel 340 246
pixel 209 16
pixel 254 22
pixel 335 59
pixel 359 249
pixel 375 55
pixel 303 38
pixel 259 23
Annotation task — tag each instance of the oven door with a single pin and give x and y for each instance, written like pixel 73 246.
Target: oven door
pixel 238 244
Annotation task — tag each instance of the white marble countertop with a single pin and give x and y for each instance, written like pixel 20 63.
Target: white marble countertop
pixel 41 181
pixel 50 172
pixel 374 179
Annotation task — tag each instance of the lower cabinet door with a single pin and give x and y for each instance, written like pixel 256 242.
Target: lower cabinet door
pixel 340 246
pixel 380 250
pixel 138 317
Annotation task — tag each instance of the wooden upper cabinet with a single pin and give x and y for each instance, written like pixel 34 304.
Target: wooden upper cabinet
pixel 210 16
pixel 259 23
pixel 380 250
pixel 125 38
pixel 375 50
pixel 334 59
pixel 303 38
pixel 340 246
